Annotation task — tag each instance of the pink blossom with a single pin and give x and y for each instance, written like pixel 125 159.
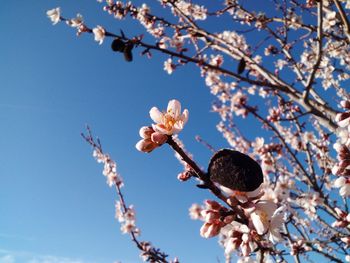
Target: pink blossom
pixel 171 121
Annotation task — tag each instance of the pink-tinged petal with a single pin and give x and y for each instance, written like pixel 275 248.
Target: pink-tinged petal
pixel 267 206
pixel 184 116
pixel 344 123
pixel 275 236
pixel 176 129
pixel 340 212
pixel 159 138
pixel 231 246
pixel 345 190
pixel 258 224
pixel 245 249
pixel 146 145
pixel 146 132
pixel 339 182
pixel 161 129
pixel 348 218
pixel 156 115
pixel 174 109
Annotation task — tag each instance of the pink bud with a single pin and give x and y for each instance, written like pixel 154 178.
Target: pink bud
pixel 159 138
pixel 146 145
pixel 346 240
pixel 212 204
pixel 146 132
pixel 345 104
pixel 209 230
pixel 343 119
pixel 340 213
pixel 184 176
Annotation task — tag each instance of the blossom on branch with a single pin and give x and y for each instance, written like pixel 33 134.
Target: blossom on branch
pixel 54 15
pixel 99 33
pixel 75 22
pixel 171 121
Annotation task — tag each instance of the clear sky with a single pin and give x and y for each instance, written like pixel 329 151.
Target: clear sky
pixel 54 203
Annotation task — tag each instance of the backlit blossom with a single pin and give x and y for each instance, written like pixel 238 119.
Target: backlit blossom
pixel 267 218
pixel 171 121
pixel 54 15
pixel 169 67
pixel 344 184
pixel 99 34
pixel 75 22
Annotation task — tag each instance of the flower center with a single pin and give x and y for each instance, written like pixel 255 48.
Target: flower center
pixel 169 122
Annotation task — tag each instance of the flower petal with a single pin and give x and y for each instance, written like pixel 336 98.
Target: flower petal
pixel 339 182
pixel 156 115
pixel 161 129
pixel 258 224
pixel 184 116
pixel 174 109
pixel 345 190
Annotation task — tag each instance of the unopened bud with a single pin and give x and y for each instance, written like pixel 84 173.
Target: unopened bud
pixel 159 138
pixel 146 145
pixel 146 132
pixel 345 104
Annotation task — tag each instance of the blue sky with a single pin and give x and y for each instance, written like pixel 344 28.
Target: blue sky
pixel 54 203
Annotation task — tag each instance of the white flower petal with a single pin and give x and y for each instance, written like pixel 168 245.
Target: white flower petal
pixel 345 190
pixel 339 182
pixel 174 108
pixel 156 115
pixel 184 116
pixel 258 224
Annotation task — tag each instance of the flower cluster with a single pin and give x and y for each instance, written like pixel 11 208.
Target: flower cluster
pixel 126 218
pixel 342 168
pixel 166 124
pixel 344 218
pixel 110 168
pixel 264 219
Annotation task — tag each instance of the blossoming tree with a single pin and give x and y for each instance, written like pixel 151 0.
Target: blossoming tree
pixel 276 197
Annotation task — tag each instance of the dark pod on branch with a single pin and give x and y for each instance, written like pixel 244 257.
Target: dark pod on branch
pixel 241 66
pixel 235 170
pixel 118 45
pixel 128 51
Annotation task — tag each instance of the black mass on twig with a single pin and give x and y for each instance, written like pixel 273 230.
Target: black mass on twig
pixel 235 170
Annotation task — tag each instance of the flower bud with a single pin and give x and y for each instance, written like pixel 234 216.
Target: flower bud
pixel 209 230
pixel 146 132
pixel 146 145
pixel 345 104
pixel 159 138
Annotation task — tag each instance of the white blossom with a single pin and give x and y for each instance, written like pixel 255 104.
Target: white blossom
pixel 54 15
pixel 99 33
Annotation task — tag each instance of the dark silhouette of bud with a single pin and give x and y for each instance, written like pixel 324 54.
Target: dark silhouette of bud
pixel 241 66
pixel 118 45
pixel 128 52
pixel 235 171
